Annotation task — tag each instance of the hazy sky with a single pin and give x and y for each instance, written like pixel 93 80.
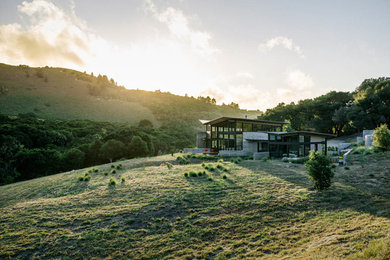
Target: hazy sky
pixel 255 53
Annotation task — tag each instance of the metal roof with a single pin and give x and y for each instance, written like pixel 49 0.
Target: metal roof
pixel 304 133
pixel 224 118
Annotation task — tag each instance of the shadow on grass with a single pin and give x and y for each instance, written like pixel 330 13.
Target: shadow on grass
pixel 340 196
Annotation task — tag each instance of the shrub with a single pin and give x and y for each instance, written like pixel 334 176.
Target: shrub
pixel 381 137
pixel 186 174
pixel 95 170
pixel 113 171
pixel 123 179
pixel 169 165
pixel 333 166
pixel 81 178
pixel 319 170
pixel 193 174
pixel 87 176
pixel 224 176
pixel 220 160
pixel 106 173
pixel 210 179
pixel 203 164
pixel 182 160
pixel 112 166
pixel 225 169
pixel 111 182
pixel 219 166
pixel 346 167
pixel 119 166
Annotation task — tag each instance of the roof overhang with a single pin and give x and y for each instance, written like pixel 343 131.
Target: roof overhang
pixel 243 120
pixel 310 133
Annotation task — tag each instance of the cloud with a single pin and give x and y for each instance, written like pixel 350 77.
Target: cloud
pixel 51 38
pixel 299 80
pixel 284 42
pixel 179 26
pixel 239 88
pixel 299 85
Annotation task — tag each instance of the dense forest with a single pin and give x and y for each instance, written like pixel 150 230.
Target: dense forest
pixel 340 113
pixel 31 147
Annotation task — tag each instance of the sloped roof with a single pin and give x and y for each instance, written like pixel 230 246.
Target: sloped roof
pixel 224 118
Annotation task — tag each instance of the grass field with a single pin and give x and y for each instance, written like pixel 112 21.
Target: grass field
pixel 261 209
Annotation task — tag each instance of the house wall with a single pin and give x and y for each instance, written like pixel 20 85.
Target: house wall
pixel 200 140
pixel 249 145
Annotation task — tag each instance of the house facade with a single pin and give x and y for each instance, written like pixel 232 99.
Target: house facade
pixel 261 138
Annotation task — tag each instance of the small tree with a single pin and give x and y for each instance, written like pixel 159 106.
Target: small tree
pixel 319 170
pixel 381 137
pixel 112 149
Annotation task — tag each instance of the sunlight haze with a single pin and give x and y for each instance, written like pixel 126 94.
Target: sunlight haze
pixel 254 53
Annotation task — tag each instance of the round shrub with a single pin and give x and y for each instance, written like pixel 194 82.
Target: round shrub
pixel 319 169
pixel 111 182
pixel 224 176
pixel 186 174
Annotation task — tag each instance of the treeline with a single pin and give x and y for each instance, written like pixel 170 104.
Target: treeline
pixel 339 113
pixel 31 147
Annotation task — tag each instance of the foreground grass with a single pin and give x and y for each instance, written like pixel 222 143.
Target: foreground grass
pixel 261 209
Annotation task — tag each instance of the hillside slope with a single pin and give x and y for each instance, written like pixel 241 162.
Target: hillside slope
pixel 261 209
pixel 58 93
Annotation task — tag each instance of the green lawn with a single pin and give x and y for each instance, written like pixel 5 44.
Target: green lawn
pixel 263 209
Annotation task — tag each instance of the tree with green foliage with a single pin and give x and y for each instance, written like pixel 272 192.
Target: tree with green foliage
pixel 381 137
pixel 73 159
pixel 319 169
pixel 138 147
pixel 37 162
pixel 144 123
pixel 112 150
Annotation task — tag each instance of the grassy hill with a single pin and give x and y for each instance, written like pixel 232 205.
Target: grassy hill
pixel 261 209
pixel 57 93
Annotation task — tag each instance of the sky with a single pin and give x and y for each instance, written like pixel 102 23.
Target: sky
pixel 252 52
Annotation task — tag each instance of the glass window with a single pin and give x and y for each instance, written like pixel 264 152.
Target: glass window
pixel 301 150
pixel 293 150
pixel 301 138
pixel 247 127
pixel 239 127
pixel 272 137
pixel 278 138
pixel 239 141
pixel 307 139
pixel 262 147
pixel 294 139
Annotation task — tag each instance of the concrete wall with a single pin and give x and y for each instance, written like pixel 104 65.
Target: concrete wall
pixel 234 153
pixel 200 142
pixel 193 150
pixel 368 140
pixel 249 145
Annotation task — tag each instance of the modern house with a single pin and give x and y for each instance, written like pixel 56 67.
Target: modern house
pixel 261 138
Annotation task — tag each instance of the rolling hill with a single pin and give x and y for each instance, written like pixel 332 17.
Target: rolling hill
pixel 261 209
pixel 57 93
